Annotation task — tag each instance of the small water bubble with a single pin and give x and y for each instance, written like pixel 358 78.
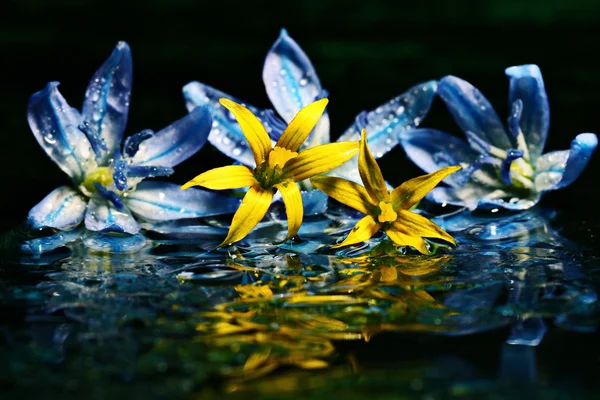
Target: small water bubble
pixel 237 151
pixel 303 82
pixel 282 72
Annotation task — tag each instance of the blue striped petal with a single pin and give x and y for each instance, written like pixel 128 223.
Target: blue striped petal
pixel 161 201
pixel 385 125
pixel 558 169
pixel 101 215
pixel 55 126
pixel 63 208
pixel 292 83
pixel 527 85
pixel 472 111
pixel 177 142
pixel 225 134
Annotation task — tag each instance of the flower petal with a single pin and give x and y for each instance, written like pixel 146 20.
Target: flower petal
pixel 303 123
pixel 293 205
pixel 177 142
pixel 162 201
pixel 385 123
pixel 63 208
pixel 403 239
pixel 55 126
pixel 253 130
pixel 226 134
pixel 527 85
pixel 558 169
pixel 362 231
pixel 254 206
pixel 101 215
pixel 107 97
pixel 472 111
pixel 412 191
pixel 413 224
pixel 346 192
pixel 433 150
pixel 319 159
pixel 370 173
pixel 230 177
pixel 292 83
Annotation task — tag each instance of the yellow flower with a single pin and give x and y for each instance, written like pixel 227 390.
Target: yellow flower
pixel 386 210
pixel 277 168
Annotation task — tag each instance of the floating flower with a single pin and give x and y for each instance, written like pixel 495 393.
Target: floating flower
pixel 107 188
pixel 501 170
pixel 291 83
pixel 386 210
pixel 277 168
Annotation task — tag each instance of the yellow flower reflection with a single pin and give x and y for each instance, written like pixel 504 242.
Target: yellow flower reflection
pixel 277 168
pixel 386 210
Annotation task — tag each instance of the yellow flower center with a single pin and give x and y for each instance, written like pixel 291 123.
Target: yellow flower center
pixel 387 212
pixel 102 175
pixel 279 156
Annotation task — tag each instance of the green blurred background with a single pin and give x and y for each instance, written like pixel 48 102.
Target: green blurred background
pixel 365 53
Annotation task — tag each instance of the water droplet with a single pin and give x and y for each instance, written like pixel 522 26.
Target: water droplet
pixel 303 82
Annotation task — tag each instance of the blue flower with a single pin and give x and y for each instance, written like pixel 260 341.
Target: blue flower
pixel 292 83
pixel 108 187
pixel 499 169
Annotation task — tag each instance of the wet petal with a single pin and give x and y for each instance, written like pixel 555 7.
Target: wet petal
pixel 55 126
pixel 433 150
pixel 293 206
pixel 162 201
pixel 63 208
pixel 527 85
pixel 226 134
pixel 412 191
pixel 413 224
pixel 346 192
pixel 370 173
pixel 385 123
pixel 362 231
pixel 303 123
pixel 558 169
pixel 402 239
pixel 317 160
pixel 230 177
pixel 254 132
pixel 107 97
pixel 292 83
pixel 472 111
pixel 101 215
pixel 254 206
pixel 177 142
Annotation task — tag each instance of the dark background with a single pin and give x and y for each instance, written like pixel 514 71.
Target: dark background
pixel 365 53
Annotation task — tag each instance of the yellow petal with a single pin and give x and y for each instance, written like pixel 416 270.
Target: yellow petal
pixel 254 206
pixel 254 131
pixel 402 239
pixel 230 177
pixel 319 159
pixel 346 192
pixel 310 364
pixel 257 359
pixel 370 173
pixel 280 156
pixel 364 229
pixel 303 123
pixel 413 224
pixel 293 205
pixel 412 191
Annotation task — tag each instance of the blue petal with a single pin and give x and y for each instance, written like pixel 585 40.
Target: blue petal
pixel 431 150
pixel 161 201
pixel 475 196
pixel 137 171
pixel 106 103
pixel 114 243
pixel 472 112
pixel 37 247
pixel 386 124
pixel 55 126
pixel 558 169
pixel 133 142
pixel 226 134
pixel 63 208
pixel 511 156
pixel 527 85
pixel 93 137
pixel 101 215
pixel 109 195
pixel 177 142
pixel 292 83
